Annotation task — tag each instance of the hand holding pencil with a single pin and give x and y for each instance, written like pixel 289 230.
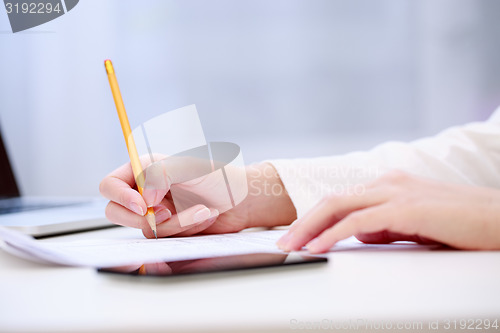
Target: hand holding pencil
pixel 129 140
pixel 118 187
pixel 127 206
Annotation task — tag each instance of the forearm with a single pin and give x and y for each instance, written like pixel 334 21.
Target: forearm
pixel 466 155
pixel 268 202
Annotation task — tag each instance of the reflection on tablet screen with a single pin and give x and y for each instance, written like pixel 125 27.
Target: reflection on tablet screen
pixel 216 264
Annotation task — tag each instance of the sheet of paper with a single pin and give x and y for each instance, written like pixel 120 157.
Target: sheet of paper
pixel 125 250
pixel 128 246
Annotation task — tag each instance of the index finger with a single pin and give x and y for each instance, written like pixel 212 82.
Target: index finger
pixel 118 187
pixel 329 211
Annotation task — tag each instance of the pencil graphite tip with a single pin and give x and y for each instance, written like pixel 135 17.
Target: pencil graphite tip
pixel 150 217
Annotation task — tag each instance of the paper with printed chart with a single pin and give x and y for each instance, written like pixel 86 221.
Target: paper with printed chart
pixel 126 246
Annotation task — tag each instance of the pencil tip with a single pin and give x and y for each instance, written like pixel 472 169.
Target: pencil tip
pixel 150 217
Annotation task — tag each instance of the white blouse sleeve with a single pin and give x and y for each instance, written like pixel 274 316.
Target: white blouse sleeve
pixel 467 154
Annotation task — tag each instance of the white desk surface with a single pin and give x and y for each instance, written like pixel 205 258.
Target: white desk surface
pixel 402 286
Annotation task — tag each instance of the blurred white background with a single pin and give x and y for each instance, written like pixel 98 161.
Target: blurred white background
pixel 294 78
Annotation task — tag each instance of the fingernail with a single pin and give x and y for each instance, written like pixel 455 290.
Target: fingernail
pixel 214 213
pixel 136 208
pixel 162 214
pixel 201 215
pixel 284 239
pixel 213 216
pixel 313 245
pixel 295 223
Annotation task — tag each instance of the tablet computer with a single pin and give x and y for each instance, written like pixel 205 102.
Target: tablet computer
pixel 215 264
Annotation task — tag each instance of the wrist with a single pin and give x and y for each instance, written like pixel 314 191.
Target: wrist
pixel 269 204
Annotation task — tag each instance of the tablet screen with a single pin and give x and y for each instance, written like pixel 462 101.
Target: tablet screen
pixel 216 264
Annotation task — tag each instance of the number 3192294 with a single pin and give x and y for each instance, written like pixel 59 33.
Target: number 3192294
pixel 32 8
pixel 471 324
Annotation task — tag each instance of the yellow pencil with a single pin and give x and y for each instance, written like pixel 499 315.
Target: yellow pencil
pixel 129 140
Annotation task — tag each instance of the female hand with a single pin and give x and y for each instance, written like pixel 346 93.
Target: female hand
pixel 401 207
pixel 260 209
